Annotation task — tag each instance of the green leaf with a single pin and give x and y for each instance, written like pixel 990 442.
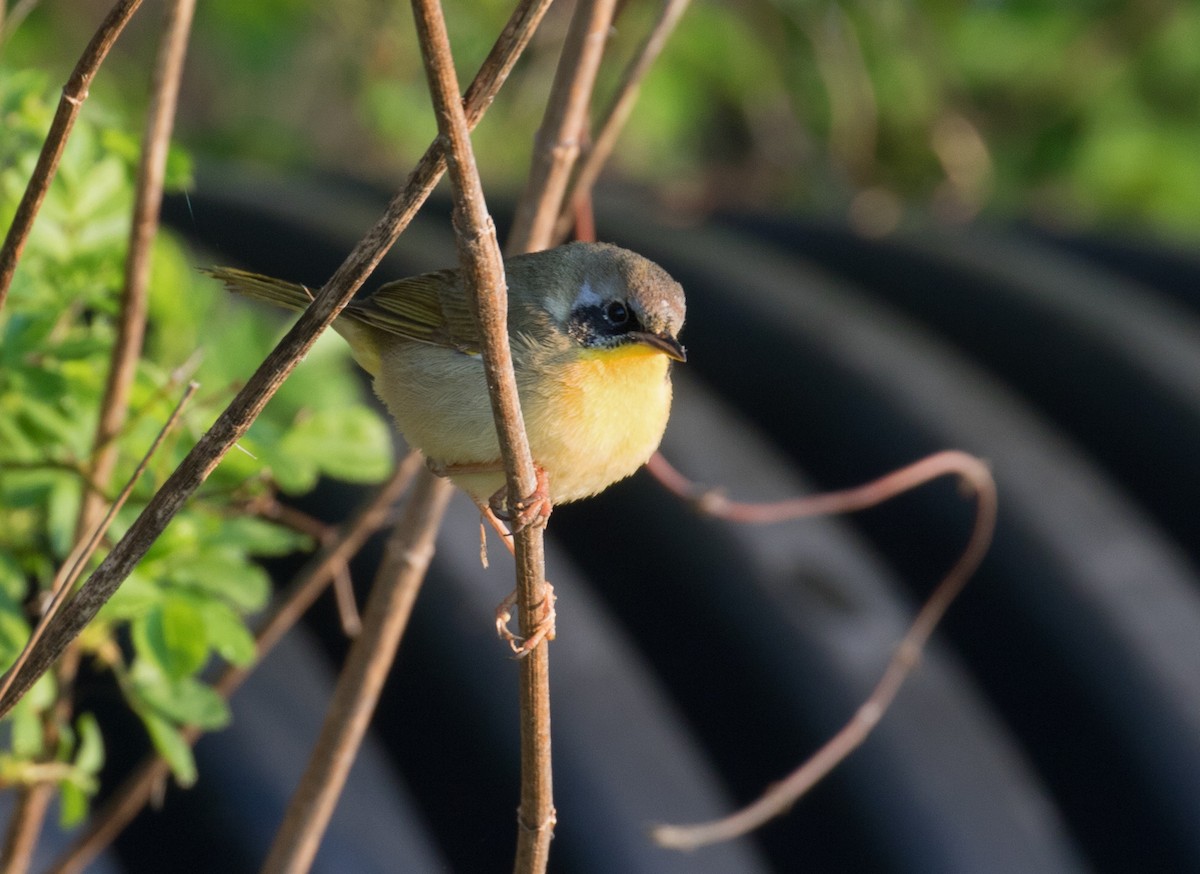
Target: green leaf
pixel 44 421
pixel 226 574
pixel 180 173
pixel 43 693
pixel 13 582
pixel 228 634
pixel 14 629
pixel 184 702
pixel 17 444
pixel 89 755
pixel 172 635
pixel 137 595
pixel 351 443
pixel 74 796
pixel 26 488
pixel 257 536
pixel 62 512
pixel 107 192
pixel 26 715
pixel 27 738
pixel 172 746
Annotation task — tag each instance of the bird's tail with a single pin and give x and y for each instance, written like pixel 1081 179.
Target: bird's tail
pixel 365 340
pixel 290 295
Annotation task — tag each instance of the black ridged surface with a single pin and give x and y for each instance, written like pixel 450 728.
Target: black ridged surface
pixel 1053 726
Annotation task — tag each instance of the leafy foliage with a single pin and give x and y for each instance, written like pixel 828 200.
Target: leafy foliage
pixel 189 599
pixel 1082 113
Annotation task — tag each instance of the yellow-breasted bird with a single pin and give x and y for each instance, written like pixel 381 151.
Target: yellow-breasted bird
pixel 593 330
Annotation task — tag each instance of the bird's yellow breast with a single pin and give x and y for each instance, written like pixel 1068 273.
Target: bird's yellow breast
pixel 592 417
pixel 598 418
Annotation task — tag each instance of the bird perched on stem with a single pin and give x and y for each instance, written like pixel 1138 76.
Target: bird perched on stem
pixel 593 330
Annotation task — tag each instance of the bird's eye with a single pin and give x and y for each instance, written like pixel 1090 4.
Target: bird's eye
pixel 616 313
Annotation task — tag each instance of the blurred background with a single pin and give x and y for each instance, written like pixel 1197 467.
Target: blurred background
pixel 1074 116
pixel 902 227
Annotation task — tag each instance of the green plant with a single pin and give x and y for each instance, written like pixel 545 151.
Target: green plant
pixel 187 602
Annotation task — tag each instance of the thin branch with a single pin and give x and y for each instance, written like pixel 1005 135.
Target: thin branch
pixel 556 149
pixel 131 329
pixel 617 113
pixel 139 787
pixel 713 502
pixel 385 618
pixel 311 582
pixel 347 607
pixel 479 256
pixel 73 566
pixel 269 507
pixel 24 827
pixel 976 476
pixel 479 251
pixel 180 375
pixel 236 419
pixel 557 144
pixel 75 92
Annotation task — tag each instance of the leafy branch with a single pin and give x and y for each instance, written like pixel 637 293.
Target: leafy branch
pixel 75 92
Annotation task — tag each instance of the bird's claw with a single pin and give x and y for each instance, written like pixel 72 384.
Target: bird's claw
pixel 543 630
pixel 534 509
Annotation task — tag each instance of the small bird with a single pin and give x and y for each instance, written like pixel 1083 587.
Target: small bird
pixel 593 330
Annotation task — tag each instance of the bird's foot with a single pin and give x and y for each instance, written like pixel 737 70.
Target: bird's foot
pixel 543 630
pixel 534 509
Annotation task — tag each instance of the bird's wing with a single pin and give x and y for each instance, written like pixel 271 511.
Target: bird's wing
pixel 429 308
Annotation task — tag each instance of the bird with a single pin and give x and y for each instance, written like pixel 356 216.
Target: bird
pixel 593 328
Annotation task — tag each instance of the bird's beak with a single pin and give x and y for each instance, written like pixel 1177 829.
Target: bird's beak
pixel 668 345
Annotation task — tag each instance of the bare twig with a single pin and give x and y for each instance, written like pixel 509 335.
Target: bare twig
pixel 479 251
pixel 617 114
pixel 975 475
pixel 312 581
pixel 347 607
pixel 269 507
pixel 139 787
pixel 24 826
pixel 479 255
pixel 385 618
pixel 557 143
pixel 131 328
pixel 232 424
pixel 714 503
pixel 73 566
pixel 75 92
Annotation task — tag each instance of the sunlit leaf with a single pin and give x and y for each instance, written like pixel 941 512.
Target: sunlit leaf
pixel 226 574
pixel 184 701
pixel 89 756
pixel 259 537
pixel 172 634
pixel 172 746
pixel 72 804
pixel 352 444
pixel 228 634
